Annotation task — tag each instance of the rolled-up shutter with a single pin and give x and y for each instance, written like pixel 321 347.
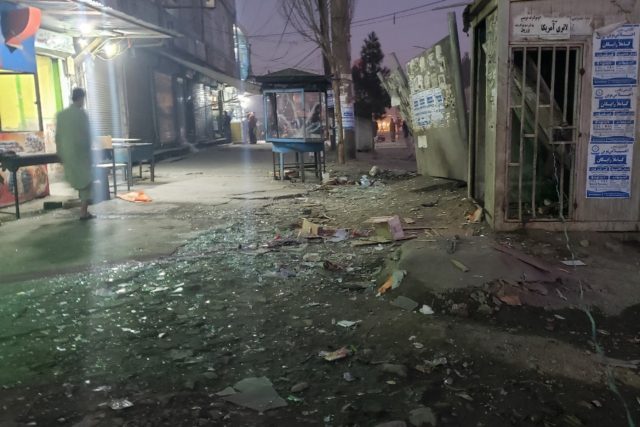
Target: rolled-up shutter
pixel 200 111
pixel 165 109
pixel 102 86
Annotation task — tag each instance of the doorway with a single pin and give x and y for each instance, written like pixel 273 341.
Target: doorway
pixel 543 131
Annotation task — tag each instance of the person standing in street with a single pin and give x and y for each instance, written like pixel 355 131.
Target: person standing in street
pixel 226 126
pixel 73 144
pixel 253 128
pixel 392 129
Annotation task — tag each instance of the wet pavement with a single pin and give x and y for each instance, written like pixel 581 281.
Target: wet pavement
pixel 247 322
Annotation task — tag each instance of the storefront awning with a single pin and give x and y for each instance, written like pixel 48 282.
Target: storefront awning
pixel 218 76
pixel 89 18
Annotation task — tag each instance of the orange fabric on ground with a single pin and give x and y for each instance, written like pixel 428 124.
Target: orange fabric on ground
pixel 135 196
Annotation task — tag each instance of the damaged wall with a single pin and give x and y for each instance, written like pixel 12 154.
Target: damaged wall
pixel 538 36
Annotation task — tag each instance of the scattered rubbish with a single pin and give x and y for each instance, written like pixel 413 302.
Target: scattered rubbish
pixel 523 257
pixel 460 266
pixel 422 417
pixel 332 266
pixel 409 220
pixel 425 309
pixel 105 388
pixel 596 403
pixel 393 282
pixel 387 227
pixel 375 170
pixel 513 300
pixel 297 388
pixel 617 363
pixel 135 197
pixel 309 228
pixel 405 303
pixel 584 243
pixel 398 370
pixel 418 346
pixel 364 181
pixel 280 242
pixel 348 377
pixel 294 399
pixel 561 295
pixel 257 394
pixel 574 263
pixel 465 396
pixel 430 204
pixel 119 404
pixel 429 365
pixel 452 245
pixel 475 217
pixel 340 235
pixel 330 356
pixel 348 323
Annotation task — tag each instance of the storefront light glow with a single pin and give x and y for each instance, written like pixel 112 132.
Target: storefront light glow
pixel 110 49
pixel 85 28
pixel 83 42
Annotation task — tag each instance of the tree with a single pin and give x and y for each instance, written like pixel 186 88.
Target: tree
pixel 309 18
pixel 371 97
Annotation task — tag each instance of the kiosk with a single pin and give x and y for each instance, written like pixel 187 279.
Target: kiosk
pixel 295 119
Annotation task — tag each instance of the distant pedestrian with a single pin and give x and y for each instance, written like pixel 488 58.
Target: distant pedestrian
pixel 253 127
pixel 226 126
pixel 405 129
pixel 392 129
pixel 73 144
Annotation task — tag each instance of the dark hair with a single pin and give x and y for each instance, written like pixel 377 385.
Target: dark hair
pixel 77 94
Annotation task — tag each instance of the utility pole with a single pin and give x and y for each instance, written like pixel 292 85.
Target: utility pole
pixel 324 29
pixel 341 49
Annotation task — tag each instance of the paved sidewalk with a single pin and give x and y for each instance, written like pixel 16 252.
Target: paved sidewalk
pixel 184 195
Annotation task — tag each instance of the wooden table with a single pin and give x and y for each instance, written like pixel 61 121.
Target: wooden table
pixel 13 162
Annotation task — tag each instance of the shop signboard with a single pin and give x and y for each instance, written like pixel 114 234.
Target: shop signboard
pixel 18 26
pixel 613 113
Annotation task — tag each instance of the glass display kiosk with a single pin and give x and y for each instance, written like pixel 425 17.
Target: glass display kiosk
pixel 295 122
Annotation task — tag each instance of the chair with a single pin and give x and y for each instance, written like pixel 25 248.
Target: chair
pixel 108 165
pixel 140 154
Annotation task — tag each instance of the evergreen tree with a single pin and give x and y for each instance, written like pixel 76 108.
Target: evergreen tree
pixel 371 97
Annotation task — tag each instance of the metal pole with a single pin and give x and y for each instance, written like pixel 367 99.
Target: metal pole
pixel 461 104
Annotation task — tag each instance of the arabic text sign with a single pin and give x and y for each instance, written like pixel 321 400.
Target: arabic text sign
pixel 538 26
pixel 609 171
pixel 428 107
pixel 615 57
pixel 613 115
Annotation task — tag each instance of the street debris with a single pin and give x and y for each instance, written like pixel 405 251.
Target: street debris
pixel 425 309
pixel 297 388
pixel 119 404
pixel 348 377
pixel 135 197
pixel 332 266
pixel 422 417
pixel 387 227
pixel 257 394
pixel 348 323
pixel 374 171
pixel 393 282
pixel 331 356
pixel 574 263
pixel 405 303
pixel 476 216
pixel 364 181
pixel 460 266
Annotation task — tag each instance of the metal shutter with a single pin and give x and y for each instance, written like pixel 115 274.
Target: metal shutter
pixel 101 81
pixel 200 111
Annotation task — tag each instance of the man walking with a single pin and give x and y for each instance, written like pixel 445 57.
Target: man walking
pixel 73 143
pixel 253 128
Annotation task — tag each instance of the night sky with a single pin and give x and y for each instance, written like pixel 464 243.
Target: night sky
pixel 412 31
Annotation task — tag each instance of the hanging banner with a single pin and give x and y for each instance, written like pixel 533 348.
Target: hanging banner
pixel 613 113
pixel 18 27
